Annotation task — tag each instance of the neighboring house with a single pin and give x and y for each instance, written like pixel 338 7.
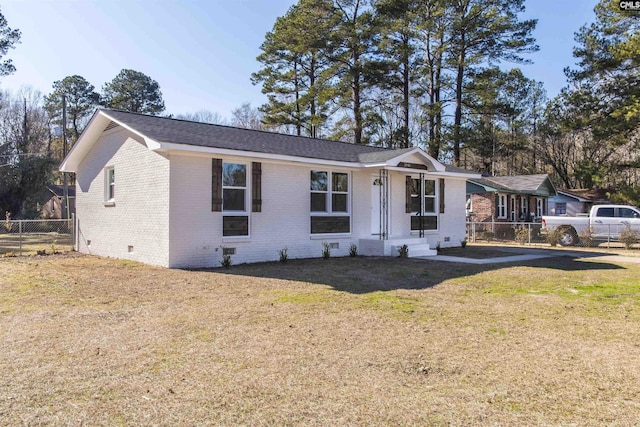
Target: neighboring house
pixel 575 202
pixel 53 207
pixel 178 194
pixel 508 198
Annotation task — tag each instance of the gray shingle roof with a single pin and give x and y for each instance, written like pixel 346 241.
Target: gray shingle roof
pixel 163 129
pixel 526 184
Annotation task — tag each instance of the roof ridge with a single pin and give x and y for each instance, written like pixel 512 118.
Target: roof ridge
pixel 106 110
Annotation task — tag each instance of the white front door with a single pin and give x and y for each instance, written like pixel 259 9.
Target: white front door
pixel 375 205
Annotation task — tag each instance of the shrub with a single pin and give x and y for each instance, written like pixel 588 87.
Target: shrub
pixel 522 234
pixel 326 250
pixel 628 236
pixel 586 237
pixel 463 243
pixel 553 236
pixel 403 251
pixel 353 250
pixel 488 235
pixel 438 246
pixel 284 256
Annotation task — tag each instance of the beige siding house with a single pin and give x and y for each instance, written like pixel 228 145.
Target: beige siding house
pixel 178 194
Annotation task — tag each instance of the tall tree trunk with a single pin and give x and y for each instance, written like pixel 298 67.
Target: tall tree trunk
pixel 357 107
pixel 312 107
pixel 457 123
pixel 298 109
pixel 406 82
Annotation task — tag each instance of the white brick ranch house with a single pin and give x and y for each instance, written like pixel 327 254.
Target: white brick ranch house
pixel 173 193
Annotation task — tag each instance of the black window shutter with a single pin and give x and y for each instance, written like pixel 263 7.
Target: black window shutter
pixel 441 195
pixel 256 187
pixel 407 206
pixel 216 185
pixel 496 208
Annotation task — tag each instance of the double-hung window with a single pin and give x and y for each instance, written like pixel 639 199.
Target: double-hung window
pixel 330 211
pixel 109 185
pixel 423 204
pixel 235 221
pixel 524 208
pixel 539 206
pixel 502 206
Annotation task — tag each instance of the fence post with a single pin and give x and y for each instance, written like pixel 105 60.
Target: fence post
pixel 73 231
pixel 609 238
pixel 529 227
pixel 20 235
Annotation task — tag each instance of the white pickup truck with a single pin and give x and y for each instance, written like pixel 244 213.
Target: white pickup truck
pixel 606 222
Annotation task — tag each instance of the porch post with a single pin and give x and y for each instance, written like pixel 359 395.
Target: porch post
pixel 421 234
pixel 383 176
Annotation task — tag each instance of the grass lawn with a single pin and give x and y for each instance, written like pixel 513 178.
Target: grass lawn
pixel 350 341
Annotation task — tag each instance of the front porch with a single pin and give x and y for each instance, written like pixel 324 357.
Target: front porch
pixel 418 247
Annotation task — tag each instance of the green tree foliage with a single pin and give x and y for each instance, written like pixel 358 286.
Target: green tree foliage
pixel 592 126
pixel 351 47
pixel 399 63
pixel 8 39
pixel 295 70
pixel 388 67
pixel 133 91
pixel 484 31
pixel 80 98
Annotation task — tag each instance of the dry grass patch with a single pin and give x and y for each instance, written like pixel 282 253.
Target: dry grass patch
pixel 346 341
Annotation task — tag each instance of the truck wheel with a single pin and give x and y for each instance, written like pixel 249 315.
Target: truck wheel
pixel 568 237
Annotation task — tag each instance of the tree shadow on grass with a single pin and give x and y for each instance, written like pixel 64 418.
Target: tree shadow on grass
pixel 361 275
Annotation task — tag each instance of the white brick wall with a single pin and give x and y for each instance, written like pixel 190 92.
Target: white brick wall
pixel 196 232
pixel 140 217
pixel 167 198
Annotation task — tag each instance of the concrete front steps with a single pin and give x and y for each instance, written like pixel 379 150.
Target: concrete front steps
pixel 417 247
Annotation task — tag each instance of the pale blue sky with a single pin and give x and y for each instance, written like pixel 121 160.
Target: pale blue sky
pixel 202 53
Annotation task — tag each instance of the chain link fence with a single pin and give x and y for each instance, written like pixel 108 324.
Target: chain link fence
pixel 33 237
pixel 531 233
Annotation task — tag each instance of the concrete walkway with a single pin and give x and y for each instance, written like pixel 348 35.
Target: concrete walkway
pixel 511 258
pixel 528 254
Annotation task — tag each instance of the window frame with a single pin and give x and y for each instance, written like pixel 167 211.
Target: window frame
pixel 501 206
pixel 235 213
pixel 109 186
pixel 329 193
pixel 539 207
pixel 561 208
pixel 422 196
pixel 524 208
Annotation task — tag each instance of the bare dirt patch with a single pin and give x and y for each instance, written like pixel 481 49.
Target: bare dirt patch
pixel 94 341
